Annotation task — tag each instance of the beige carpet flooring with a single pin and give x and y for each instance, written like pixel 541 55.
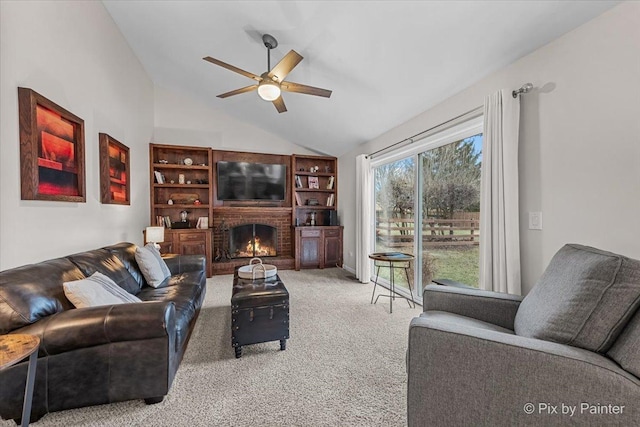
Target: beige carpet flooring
pixel 344 365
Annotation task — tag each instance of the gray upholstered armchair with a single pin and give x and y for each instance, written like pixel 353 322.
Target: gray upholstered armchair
pixel 568 353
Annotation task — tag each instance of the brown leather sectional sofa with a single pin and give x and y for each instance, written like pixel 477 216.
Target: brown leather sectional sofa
pixel 98 355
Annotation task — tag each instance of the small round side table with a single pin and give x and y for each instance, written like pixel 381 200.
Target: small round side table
pixel 13 349
pixel 392 258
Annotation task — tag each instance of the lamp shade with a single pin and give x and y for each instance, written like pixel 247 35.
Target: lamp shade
pixel 154 234
pixel 268 90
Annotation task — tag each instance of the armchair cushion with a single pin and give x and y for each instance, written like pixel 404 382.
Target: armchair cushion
pixel 584 298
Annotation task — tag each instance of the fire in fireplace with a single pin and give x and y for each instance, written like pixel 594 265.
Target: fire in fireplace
pixel 253 240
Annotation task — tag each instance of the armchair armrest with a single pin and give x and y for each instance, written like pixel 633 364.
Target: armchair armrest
pixel 91 326
pixel 183 263
pixel 492 307
pixel 453 283
pixel 460 375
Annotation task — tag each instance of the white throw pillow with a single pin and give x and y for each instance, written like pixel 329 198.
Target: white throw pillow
pixel 96 290
pixel 152 266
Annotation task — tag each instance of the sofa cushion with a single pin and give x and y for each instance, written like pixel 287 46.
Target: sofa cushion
pixel 626 349
pixel 584 298
pixel 108 264
pixel 32 292
pixel 95 291
pixel 153 267
pixel 186 291
pixel 126 252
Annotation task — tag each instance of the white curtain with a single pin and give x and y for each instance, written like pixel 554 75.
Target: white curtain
pixel 363 218
pixel 499 221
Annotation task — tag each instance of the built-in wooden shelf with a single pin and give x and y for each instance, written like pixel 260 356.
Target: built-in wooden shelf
pixel 174 166
pixel 156 185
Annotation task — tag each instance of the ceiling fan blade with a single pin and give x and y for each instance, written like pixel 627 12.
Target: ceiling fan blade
pixel 279 103
pixel 232 68
pixel 308 90
pixel 238 91
pixel 284 67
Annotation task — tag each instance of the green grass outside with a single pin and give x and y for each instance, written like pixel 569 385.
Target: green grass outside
pixel 458 263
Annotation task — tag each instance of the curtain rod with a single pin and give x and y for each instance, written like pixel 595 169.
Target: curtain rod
pixel 413 138
pixel 525 88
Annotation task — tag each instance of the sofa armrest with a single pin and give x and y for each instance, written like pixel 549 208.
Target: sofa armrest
pixel 492 307
pixel 460 375
pixel 91 326
pixel 183 263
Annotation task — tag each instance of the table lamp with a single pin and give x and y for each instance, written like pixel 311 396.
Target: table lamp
pixel 154 235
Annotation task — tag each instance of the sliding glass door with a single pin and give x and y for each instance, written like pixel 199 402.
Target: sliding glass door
pixel 394 198
pixel 450 211
pixel 427 203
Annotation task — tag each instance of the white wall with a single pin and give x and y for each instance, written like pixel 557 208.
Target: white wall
pixel 72 53
pixel 579 140
pixel 180 120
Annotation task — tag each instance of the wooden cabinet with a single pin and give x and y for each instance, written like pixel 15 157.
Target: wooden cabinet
pixel 308 244
pixel 188 242
pixel 332 247
pixel 181 182
pixel 318 247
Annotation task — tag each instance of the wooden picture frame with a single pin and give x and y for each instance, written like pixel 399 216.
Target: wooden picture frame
pixel 52 163
pixel 114 171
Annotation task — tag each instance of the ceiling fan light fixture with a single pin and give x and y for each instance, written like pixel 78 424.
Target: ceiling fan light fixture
pixel 268 90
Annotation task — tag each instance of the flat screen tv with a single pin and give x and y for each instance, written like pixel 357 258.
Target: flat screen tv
pixel 251 181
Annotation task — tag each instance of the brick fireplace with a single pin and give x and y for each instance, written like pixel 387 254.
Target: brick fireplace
pixel 253 240
pixel 227 218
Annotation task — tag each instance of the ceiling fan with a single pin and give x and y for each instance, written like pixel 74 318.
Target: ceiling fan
pixel 271 83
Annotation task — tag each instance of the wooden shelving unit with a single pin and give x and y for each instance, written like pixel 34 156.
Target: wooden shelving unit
pixel 326 195
pixel 175 164
pixel 317 243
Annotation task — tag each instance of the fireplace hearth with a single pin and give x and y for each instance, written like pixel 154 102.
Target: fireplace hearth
pixel 253 240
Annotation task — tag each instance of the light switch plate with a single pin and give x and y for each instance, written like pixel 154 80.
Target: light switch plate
pixel 535 220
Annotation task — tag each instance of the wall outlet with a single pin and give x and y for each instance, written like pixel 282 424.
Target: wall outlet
pixel 535 220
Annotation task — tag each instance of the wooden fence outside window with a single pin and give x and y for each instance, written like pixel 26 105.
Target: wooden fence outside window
pixel 399 232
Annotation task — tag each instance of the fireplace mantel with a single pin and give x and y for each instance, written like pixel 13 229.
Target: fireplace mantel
pixel 251 209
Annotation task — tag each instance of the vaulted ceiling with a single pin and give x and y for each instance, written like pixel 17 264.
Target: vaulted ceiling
pixel 386 61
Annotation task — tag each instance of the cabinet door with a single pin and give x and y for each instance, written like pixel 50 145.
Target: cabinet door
pixel 310 252
pixel 332 251
pixel 193 248
pixel 191 243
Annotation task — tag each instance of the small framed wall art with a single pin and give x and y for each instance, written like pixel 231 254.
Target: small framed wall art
pixel 51 150
pixel 114 171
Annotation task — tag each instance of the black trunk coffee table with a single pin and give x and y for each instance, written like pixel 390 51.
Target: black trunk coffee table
pixel 259 312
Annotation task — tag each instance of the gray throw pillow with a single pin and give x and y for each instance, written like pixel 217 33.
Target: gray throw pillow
pixel 584 298
pixel 152 266
pixel 96 290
